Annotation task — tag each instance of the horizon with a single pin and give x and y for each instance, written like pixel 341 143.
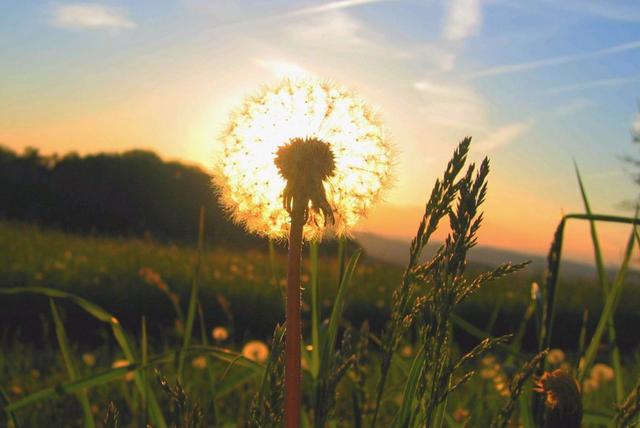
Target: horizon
pixel 112 76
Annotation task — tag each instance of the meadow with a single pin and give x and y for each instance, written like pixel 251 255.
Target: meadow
pixel 240 291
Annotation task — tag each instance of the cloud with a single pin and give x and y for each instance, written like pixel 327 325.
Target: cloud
pixel 452 104
pixel 282 68
pixel 90 16
pixel 334 5
pixel 503 135
pixel 600 83
pixel 572 107
pixel 463 19
pixel 548 62
pixel 331 30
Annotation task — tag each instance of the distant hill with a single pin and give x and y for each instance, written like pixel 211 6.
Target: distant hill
pixel 396 251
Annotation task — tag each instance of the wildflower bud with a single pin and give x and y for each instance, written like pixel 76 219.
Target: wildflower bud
pixel 562 399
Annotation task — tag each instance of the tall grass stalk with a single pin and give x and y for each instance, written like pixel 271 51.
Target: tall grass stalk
pixel 209 361
pixel 144 345
pixel 611 303
pixel 70 364
pixel 604 283
pixel 402 313
pixel 442 286
pixel 193 300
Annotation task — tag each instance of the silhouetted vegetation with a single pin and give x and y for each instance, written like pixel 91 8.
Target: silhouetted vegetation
pixel 134 193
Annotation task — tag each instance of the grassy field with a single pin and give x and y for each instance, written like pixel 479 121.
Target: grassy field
pixel 241 291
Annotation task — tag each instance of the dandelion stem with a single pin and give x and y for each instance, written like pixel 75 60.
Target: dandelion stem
pixel 293 323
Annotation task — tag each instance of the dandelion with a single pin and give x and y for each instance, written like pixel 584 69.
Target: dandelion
pixel 299 157
pixel 562 399
pixel 487 373
pixel 199 363
pixel 16 390
pixel 315 129
pixel 590 385
pixel 123 363
pixel 460 414
pixel 555 357
pixel 255 350
pixel 89 359
pixel 219 334
pixel 602 372
pixel 488 360
pixel 406 351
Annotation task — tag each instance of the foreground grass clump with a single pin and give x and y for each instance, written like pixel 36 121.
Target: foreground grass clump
pixel 412 374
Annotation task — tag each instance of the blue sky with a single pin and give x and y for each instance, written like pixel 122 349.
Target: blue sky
pixel 537 83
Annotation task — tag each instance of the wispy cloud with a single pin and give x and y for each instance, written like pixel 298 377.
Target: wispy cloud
pixel 463 19
pixel 334 5
pixel 503 135
pixel 452 104
pixel 90 16
pixel 600 83
pixel 572 107
pixel 548 62
pixel 282 68
pixel 610 10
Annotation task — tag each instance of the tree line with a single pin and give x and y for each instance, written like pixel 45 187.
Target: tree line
pixel 134 193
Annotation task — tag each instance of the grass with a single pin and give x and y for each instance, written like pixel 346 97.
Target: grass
pixel 109 272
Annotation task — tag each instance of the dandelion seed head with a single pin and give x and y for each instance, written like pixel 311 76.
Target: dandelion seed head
pixel 602 372
pixel 89 359
pixel 354 170
pixel 220 334
pixel 555 357
pixel 256 350
pixel 199 362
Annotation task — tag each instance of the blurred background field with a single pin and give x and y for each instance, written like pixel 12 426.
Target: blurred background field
pixel 133 277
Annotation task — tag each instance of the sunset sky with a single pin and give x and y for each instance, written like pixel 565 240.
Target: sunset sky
pixel 536 83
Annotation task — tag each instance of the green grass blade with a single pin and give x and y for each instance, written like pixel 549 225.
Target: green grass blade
pixel 602 273
pixel 70 365
pixel 210 372
pixel 596 418
pixel 315 310
pixel 604 283
pixel 409 401
pixel 232 381
pixel 144 345
pixel 342 257
pixel 251 370
pixel 494 314
pixel 480 334
pixel 193 299
pixel 582 339
pixel 328 345
pixel 6 402
pixel 526 413
pixel 116 328
pixel 69 387
pixel 608 311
